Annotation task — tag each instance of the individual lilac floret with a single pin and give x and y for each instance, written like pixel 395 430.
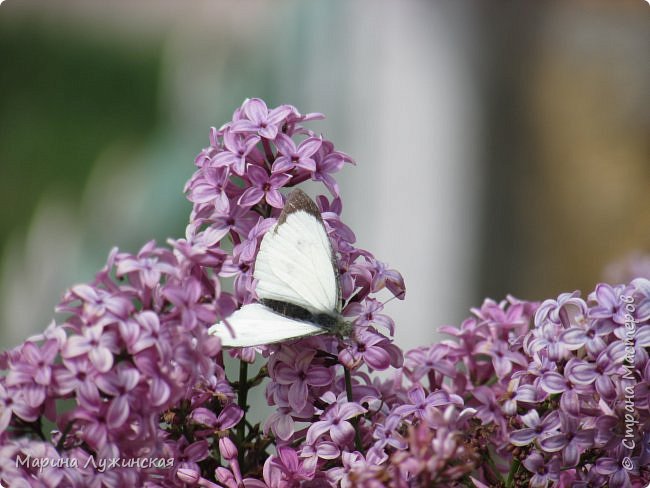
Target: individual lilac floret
pixel 370 348
pixel 572 440
pixel 335 422
pixel 599 374
pixel 239 149
pixel 419 402
pixel 260 119
pixel 299 376
pixel 536 428
pixel 544 472
pixel 286 469
pixel 292 155
pixel 263 186
pixel 99 347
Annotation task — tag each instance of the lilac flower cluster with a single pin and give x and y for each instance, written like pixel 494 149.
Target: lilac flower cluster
pixel 524 394
pixel 132 342
pixel 564 404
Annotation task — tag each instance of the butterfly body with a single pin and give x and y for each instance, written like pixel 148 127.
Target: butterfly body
pixel 297 283
pixel 332 323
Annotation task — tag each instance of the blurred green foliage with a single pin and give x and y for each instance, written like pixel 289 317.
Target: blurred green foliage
pixel 64 97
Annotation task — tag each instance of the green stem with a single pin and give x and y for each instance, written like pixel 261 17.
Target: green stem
pixel 259 377
pixel 64 434
pixel 33 427
pixel 242 402
pixel 514 467
pixel 355 421
pixel 268 153
pixel 348 384
pixel 492 467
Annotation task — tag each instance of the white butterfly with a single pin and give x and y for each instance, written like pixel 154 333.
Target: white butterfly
pixel 297 283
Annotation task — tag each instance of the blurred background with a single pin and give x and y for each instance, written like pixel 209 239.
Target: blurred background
pixel 501 148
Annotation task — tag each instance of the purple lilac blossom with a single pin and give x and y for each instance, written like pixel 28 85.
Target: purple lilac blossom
pixel 521 394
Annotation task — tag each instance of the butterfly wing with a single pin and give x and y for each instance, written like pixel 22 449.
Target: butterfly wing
pixel 295 263
pixel 255 324
pixel 294 266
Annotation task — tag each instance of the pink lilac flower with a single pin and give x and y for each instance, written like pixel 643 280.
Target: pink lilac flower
pixel 419 402
pixel 328 162
pixel 366 314
pixel 547 337
pixel 570 392
pixel 617 468
pixel 242 269
pixel 190 476
pixel 591 338
pixel 190 454
pixel 238 221
pixel 516 395
pixel 200 248
pixel 568 309
pixel 16 401
pixel 98 305
pixel 99 347
pixel 77 375
pixel 388 278
pixel 610 305
pixel 433 457
pixel 142 332
pixel 247 250
pixel 212 188
pixel 425 360
pixel 299 376
pixel 543 472
pixel 488 408
pixel 36 365
pixel 503 358
pixel 263 186
pixel 335 422
pixel 571 441
pixel 147 267
pixel 186 297
pixel 227 419
pixel 281 422
pixel 207 154
pixel 239 148
pixel 228 479
pixel 500 318
pixel 286 469
pixel 536 428
pixel 312 453
pixel 600 374
pixel 354 466
pixel 119 383
pixel 387 434
pixel 292 155
pixel 260 119
pixel 370 348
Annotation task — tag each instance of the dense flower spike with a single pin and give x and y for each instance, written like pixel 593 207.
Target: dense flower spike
pixel 524 394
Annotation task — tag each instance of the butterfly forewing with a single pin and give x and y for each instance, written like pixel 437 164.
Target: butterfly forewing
pixel 254 325
pixel 295 261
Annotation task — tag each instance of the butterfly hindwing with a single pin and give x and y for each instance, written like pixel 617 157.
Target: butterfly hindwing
pixel 255 325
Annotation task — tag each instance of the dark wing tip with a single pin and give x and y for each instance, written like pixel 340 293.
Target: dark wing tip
pixel 299 200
